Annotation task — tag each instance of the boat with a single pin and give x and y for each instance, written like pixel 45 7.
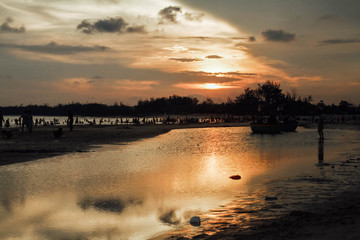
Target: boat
pixel 289 126
pixel 270 128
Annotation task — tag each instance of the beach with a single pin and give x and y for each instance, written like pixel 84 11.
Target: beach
pixel 334 218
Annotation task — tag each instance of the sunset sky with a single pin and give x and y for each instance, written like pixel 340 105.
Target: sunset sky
pixel 107 51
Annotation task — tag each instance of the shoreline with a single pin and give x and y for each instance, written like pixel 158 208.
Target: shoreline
pixel 41 143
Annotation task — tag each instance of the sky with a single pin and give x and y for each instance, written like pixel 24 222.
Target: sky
pixel 120 51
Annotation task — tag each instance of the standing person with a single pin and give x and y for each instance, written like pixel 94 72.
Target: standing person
pixel 7 123
pixel 321 126
pixel 27 120
pixel 1 119
pixel 70 120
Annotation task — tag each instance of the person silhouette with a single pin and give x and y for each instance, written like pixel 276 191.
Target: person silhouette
pixel 321 126
pixel 27 120
pixel 1 119
pixel 70 120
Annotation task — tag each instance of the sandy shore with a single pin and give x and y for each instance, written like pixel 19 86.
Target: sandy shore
pixel 337 218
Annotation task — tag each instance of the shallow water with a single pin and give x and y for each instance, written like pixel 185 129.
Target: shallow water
pixel 153 187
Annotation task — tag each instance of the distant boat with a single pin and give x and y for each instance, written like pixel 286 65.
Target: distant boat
pixel 269 128
pixel 289 126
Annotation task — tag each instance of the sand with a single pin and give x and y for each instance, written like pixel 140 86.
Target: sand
pixel 337 218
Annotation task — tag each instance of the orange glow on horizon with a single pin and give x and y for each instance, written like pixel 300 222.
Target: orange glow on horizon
pixel 205 86
pixel 211 86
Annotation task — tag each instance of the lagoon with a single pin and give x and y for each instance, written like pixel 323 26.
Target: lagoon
pixel 151 188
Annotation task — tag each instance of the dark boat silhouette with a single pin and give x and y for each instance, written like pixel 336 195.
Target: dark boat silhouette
pixel 289 126
pixel 273 128
pixel 270 128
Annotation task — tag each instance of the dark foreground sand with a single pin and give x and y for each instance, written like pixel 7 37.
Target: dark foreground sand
pixel 337 218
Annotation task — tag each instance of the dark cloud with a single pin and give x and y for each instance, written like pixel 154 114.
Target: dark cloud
pixel 278 35
pixel 252 39
pixel 186 59
pixel 169 14
pixel 138 29
pixel 54 48
pixel 109 25
pixel 340 41
pixel 214 57
pixel 328 17
pixel 6 27
pixel 241 74
pixel 86 27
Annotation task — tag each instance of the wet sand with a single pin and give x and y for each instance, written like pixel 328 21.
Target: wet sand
pixel 336 218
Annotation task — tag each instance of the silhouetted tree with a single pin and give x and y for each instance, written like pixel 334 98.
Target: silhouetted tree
pixel 268 96
pixel 248 102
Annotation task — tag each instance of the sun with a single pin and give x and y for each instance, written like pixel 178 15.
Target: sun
pixel 211 86
pixel 205 86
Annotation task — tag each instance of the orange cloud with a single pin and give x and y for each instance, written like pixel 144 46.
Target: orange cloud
pixel 102 86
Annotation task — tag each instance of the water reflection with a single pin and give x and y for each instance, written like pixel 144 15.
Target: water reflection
pixel 321 151
pixel 153 186
pixel 108 205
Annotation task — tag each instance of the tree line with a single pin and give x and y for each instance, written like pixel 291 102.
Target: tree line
pixel 266 98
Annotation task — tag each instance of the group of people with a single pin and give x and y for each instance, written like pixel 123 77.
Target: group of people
pixel 26 120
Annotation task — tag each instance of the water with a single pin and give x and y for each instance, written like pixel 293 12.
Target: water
pixel 153 187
